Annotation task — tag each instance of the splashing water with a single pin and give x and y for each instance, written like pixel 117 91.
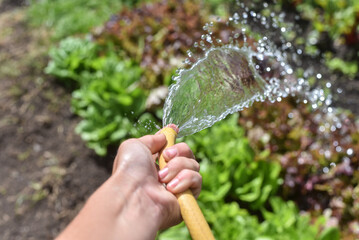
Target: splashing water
pixel 223 82
pixel 231 76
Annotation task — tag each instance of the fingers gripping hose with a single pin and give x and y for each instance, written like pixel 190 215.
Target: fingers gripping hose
pixel 191 213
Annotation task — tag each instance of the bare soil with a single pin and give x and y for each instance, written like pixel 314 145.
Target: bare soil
pixel 46 171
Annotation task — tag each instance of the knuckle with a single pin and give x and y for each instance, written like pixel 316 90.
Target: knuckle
pixel 185 173
pixel 197 179
pixel 185 148
pixel 125 145
pixel 196 166
pixel 127 142
pixel 175 164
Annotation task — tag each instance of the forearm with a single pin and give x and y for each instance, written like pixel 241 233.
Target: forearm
pixel 119 209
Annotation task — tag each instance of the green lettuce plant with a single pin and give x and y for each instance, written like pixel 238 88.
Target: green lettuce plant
pixel 74 61
pixel 107 95
pixel 110 105
pixel 231 161
pixel 238 197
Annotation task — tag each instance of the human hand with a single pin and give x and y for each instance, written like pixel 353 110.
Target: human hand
pixel 133 203
pixel 136 160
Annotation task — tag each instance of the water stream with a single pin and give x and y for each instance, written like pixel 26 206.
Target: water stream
pixel 232 73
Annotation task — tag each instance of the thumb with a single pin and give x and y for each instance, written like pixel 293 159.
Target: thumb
pixel 154 142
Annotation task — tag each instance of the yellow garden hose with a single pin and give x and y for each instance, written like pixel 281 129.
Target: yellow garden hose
pixel 191 213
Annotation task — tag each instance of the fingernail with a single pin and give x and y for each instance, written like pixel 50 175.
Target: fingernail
pixel 170 152
pixel 173 183
pixel 163 173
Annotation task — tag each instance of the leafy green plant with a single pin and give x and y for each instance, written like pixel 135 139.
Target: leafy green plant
pixel 109 105
pixel 108 97
pixel 348 68
pixel 69 17
pixel 231 161
pixel 73 60
pixel 227 186
pixel 335 17
pixel 220 7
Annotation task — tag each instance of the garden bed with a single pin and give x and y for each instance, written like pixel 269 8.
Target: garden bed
pixel 46 171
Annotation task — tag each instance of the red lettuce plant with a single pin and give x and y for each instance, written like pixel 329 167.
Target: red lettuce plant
pixel 319 154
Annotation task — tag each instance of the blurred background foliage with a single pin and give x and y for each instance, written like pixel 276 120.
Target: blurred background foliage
pixel 273 171
pixel 334 26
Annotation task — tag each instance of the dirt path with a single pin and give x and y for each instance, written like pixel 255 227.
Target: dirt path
pixel 46 172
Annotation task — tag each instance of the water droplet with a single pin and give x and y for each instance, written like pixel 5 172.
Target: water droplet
pixel 350 151
pixel 313 40
pixel 327 154
pixel 189 53
pixel 338 149
pixel 322 129
pixel 236 16
pixel 328 101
